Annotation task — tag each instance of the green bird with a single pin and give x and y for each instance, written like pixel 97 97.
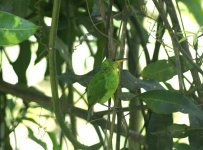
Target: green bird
pixel 104 84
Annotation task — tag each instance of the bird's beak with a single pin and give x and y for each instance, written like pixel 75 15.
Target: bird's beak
pixel 120 60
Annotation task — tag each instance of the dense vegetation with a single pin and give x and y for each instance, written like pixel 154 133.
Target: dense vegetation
pixel 161 76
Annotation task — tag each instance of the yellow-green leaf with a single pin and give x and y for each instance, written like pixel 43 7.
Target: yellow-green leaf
pixel 14 29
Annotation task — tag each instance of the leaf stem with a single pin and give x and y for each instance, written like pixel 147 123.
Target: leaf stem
pixel 53 79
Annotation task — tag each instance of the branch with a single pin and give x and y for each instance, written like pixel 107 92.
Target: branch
pixel 30 95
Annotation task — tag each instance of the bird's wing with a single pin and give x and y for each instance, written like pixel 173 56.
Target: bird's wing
pixel 96 89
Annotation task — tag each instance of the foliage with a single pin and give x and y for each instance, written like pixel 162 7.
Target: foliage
pixel 163 75
pixel 14 29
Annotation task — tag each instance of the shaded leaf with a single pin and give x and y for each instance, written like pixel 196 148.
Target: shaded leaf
pixel 163 70
pixel 19 5
pixel 6 5
pixel 42 39
pixel 169 86
pixel 159 122
pixel 127 80
pixel 71 78
pixel 14 29
pixel 179 131
pixel 126 95
pixel 167 102
pixel 196 140
pixel 21 64
pixel 181 146
pixel 63 50
pixel 132 83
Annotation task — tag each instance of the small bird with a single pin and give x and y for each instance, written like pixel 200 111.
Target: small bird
pixel 104 84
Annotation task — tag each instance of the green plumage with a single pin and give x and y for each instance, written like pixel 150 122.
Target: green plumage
pixel 104 83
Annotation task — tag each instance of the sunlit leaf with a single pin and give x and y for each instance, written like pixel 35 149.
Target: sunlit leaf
pixel 195 39
pixel 182 40
pixel 14 29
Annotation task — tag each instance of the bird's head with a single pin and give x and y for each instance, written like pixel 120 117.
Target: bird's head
pixel 111 63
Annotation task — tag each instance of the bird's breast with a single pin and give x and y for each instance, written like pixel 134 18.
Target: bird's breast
pixel 112 80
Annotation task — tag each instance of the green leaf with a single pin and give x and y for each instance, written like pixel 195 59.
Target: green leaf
pixel 70 77
pixel 195 8
pixel 173 131
pixel 169 86
pixel 21 64
pixel 14 29
pixel 157 123
pixel 163 70
pixel 167 102
pixel 177 130
pixel 183 39
pixel 126 95
pixel 196 140
pixel 21 7
pixel 56 145
pixel 181 146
